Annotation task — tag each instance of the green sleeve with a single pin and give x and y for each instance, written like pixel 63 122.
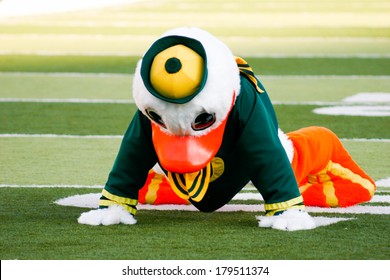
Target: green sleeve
pixel 130 170
pixel 263 155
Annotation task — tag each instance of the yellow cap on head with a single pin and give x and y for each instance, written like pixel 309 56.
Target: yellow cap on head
pixel 177 72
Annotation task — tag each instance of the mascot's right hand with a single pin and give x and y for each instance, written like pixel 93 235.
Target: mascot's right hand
pixel 112 215
pixel 289 220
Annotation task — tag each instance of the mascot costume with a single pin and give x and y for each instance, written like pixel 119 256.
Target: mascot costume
pixel 205 127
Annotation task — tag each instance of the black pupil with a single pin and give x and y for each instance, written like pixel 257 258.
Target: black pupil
pixel 156 117
pixel 203 121
pixel 203 118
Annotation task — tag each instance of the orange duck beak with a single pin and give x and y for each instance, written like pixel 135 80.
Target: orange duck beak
pixel 187 154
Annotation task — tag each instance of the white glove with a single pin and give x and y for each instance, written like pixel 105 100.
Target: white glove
pixel 114 214
pixel 289 220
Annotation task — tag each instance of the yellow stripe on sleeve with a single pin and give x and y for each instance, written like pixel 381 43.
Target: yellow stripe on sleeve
pixel 104 202
pixel 271 213
pixel 119 199
pixel 283 205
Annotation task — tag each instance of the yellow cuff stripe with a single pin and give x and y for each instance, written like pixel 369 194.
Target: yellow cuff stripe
pixel 283 205
pixel 271 213
pixel 128 208
pixel 119 199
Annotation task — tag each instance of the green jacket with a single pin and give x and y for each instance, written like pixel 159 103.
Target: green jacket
pixel 250 151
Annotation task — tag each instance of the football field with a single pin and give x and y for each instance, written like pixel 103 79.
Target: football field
pixel 65 102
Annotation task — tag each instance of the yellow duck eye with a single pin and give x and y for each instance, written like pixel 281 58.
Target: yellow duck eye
pixel 177 72
pixel 174 69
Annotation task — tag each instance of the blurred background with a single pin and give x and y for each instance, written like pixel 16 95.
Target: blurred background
pixel 276 29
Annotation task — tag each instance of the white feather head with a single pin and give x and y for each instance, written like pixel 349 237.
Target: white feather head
pixel 216 97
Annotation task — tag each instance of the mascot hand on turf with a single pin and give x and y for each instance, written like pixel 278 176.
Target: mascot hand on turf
pixel 112 215
pixel 206 121
pixel 289 220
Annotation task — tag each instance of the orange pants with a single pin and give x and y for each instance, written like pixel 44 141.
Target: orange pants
pixel 326 174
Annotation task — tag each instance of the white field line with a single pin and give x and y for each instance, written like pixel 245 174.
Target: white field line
pixel 365 140
pixel 364 97
pixel 91 200
pixel 257 196
pixel 240 196
pixel 359 209
pixel 347 110
pixel 384 182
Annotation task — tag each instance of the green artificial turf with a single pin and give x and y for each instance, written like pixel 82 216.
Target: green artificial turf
pixel 64 86
pixel 314 31
pixel 261 66
pixel 49 231
pixel 65 118
pixel 295 117
pixel 113 119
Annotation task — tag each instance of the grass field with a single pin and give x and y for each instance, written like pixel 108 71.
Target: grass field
pixel 65 101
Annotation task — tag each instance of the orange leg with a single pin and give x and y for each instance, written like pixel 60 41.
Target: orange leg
pixel 326 173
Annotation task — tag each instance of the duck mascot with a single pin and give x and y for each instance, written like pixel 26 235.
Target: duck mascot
pixel 205 127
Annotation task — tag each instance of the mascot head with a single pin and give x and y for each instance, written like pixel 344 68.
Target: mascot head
pixel 186 84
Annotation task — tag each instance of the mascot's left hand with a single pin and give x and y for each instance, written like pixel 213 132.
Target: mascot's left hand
pixel 112 215
pixel 289 220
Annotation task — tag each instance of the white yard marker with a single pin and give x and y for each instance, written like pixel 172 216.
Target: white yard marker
pixel 366 111
pixel 368 104
pixel 369 97
pixel 91 200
